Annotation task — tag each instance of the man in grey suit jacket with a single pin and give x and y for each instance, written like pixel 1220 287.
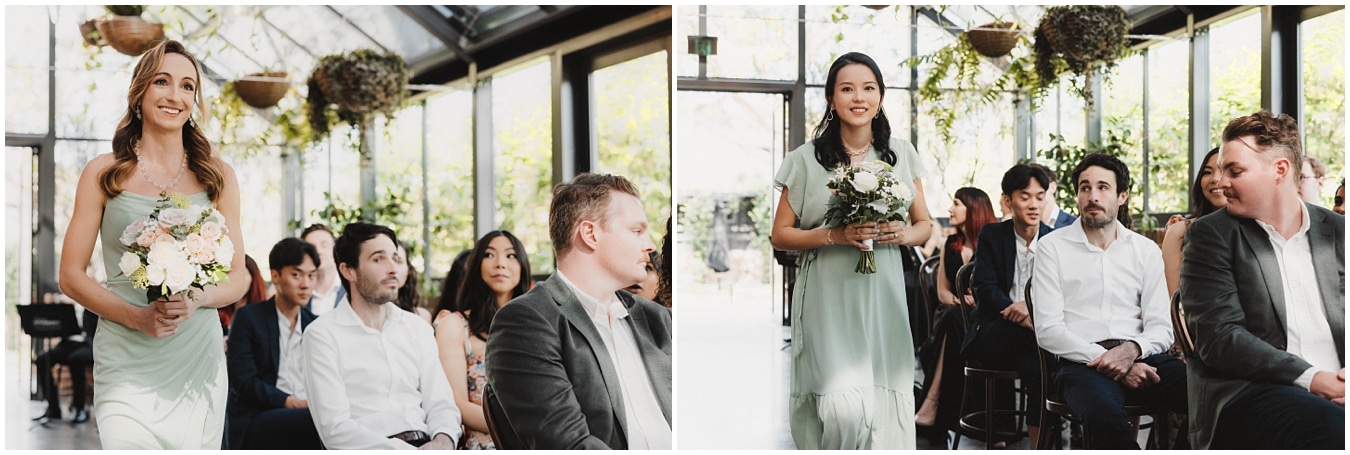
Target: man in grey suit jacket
pixel 576 363
pixel 1262 284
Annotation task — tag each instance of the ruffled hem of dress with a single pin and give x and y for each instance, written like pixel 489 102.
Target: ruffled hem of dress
pixel 865 417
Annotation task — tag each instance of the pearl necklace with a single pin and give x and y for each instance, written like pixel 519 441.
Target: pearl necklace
pixel 141 165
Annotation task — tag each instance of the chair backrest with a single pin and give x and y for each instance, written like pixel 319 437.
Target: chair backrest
pixel 928 283
pixel 1179 328
pixel 498 425
pixel 963 286
pixel 1048 361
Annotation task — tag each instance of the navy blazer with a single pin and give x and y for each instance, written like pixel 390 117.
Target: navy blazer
pixel 254 350
pixel 1063 220
pixel 995 262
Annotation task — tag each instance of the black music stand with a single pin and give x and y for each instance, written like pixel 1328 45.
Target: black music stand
pixel 47 321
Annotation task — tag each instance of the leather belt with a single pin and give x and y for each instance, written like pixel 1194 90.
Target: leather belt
pixel 1111 344
pixel 414 437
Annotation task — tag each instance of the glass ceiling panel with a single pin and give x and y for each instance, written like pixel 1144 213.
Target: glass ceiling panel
pixel 392 28
pixel 318 29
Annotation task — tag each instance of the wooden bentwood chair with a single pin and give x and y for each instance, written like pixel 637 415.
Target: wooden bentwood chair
pixel 981 423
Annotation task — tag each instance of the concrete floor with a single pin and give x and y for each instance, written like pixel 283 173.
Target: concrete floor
pixel 21 433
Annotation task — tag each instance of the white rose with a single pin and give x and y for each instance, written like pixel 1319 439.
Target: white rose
pixel 163 253
pixel 205 256
pixel 868 166
pixel 195 243
pixel 129 264
pixel 901 192
pixel 154 274
pixel 174 216
pixel 225 253
pixel 179 275
pixel 865 182
pixel 211 230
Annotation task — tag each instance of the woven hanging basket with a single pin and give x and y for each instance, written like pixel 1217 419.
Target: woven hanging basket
pixel 89 31
pixel 262 90
pixel 347 100
pixel 131 35
pixel 994 43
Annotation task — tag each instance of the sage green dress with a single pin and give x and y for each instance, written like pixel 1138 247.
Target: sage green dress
pixel 155 393
pixel 852 354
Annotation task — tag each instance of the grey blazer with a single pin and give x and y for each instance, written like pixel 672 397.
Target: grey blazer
pixel 1235 308
pixel 553 376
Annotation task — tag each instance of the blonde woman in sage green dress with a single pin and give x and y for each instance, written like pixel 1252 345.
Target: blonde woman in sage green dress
pixel 159 367
pixel 852 354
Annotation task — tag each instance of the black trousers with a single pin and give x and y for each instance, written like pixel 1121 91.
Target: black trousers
pixel 1275 417
pixel 78 356
pixel 1100 401
pixel 284 429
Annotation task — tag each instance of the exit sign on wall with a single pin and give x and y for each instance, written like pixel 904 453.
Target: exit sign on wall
pixel 703 46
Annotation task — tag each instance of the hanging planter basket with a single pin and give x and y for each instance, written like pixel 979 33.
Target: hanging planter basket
pixel 994 43
pixel 131 35
pixel 89 31
pixel 262 90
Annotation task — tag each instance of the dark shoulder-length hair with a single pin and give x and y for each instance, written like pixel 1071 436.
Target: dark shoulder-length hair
pixel 829 146
pixel 979 212
pixel 410 294
pixel 1200 205
pixel 453 281
pixel 476 300
pixel 198 149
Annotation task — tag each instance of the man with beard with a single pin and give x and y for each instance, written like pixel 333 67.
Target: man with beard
pixel 575 363
pixel 1100 303
pixel 373 372
pixel 1263 285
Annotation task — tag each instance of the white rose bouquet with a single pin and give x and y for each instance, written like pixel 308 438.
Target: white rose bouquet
pixel 866 192
pixel 178 247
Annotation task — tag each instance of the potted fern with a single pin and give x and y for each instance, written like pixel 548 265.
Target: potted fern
pixel 1081 39
pixel 353 87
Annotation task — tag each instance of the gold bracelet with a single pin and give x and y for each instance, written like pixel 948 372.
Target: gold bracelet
pixel 827 236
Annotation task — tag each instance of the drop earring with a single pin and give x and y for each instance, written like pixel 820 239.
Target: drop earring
pixel 829 116
pixel 137 111
pixel 191 123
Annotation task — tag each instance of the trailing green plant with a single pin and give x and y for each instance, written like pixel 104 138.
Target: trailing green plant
pixel 353 87
pixel 288 128
pixel 962 64
pixel 1083 40
pixel 394 210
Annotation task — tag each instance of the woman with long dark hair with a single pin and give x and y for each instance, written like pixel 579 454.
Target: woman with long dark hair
pixel 497 271
pixel 257 292
pixel 941 353
pixel 1206 198
pixel 159 371
pixel 852 354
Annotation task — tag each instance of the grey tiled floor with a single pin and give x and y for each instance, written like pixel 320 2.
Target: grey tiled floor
pixel 20 431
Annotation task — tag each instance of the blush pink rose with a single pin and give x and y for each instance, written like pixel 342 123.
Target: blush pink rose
pixel 163 236
pixel 196 243
pixel 211 230
pixel 147 238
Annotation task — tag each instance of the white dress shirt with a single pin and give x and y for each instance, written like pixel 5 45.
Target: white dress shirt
pixel 324 302
pixel 1025 257
pixel 366 385
pixel 1307 332
pixel 290 364
pixel 1083 294
pixel 646 425
pixel 1052 213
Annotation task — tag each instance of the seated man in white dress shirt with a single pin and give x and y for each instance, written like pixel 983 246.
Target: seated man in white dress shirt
pixel 1100 303
pixel 372 370
pixel 577 363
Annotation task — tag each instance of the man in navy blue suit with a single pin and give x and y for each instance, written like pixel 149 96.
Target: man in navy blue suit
pixel 267 407
pixel 1000 334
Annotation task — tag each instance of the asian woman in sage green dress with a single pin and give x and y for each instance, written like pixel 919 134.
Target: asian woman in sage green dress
pixel 852 354
pixel 159 367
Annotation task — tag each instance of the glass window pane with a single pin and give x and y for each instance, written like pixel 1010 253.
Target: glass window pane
pixel 450 190
pixel 632 116
pixel 523 158
pixel 1169 127
pixel 19 191
pixel 881 34
pixel 26 77
pixel 754 42
pixel 398 178
pixel 392 28
pixel 1234 70
pixel 261 218
pixel 1324 96
pixel 982 152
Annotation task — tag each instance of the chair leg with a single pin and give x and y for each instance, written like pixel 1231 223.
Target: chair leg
pixel 988 413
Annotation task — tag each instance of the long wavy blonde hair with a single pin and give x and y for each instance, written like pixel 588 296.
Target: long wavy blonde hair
pixel 128 132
